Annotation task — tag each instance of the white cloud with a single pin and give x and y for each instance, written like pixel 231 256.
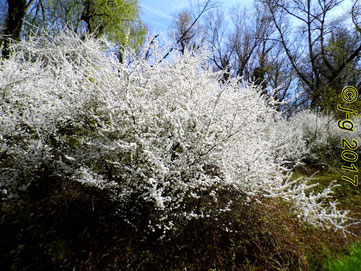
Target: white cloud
pixel 156 12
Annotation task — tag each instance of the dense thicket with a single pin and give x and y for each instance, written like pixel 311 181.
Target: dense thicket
pixel 101 154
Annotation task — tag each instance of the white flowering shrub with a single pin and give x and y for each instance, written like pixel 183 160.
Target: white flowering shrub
pixel 165 138
pixel 321 133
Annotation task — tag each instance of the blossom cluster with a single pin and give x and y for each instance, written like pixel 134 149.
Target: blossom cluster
pixel 159 136
pixel 321 133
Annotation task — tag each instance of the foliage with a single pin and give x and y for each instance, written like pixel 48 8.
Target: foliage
pixel 117 19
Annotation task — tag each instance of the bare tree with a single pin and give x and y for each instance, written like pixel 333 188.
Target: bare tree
pixel 250 31
pixel 221 47
pixel 193 35
pixel 248 49
pixel 187 26
pixel 307 51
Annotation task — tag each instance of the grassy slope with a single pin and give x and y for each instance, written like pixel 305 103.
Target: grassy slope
pixel 345 254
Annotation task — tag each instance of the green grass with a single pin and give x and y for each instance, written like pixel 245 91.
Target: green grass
pixel 350 262
pixel 330 258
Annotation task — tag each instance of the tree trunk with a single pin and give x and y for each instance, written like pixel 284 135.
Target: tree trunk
pixel 13 24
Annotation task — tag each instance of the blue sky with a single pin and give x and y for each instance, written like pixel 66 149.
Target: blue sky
pixel 158 15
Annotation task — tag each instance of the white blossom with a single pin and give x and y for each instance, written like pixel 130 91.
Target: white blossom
pixel 167 132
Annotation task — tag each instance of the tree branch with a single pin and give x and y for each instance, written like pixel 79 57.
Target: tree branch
pixel 205 8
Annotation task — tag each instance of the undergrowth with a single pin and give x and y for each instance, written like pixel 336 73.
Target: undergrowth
pixel 340 254
pixel 68 226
